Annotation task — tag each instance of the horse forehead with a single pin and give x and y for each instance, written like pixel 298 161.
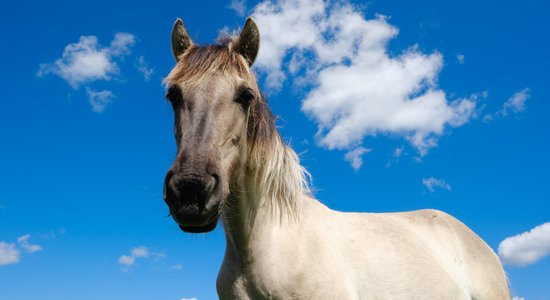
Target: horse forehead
pixel 213 88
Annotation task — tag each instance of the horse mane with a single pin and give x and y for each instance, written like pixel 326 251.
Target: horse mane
pixel 271 172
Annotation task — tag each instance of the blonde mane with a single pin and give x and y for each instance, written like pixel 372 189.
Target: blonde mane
pixel 270 174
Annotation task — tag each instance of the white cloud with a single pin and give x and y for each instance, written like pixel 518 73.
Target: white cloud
pixel 9 254
pixel 189 298
pixel 397 152
pixel 395 156
pixel 515 104
pixel 143 67
pixel 239 6
pixel 140 251
pixel 99 99
pixel 354 87
pixel 23 242
pixel 176 267
pixel 354 157
pixel 518 298
pixel 88 61
pixel 121 44
pixel 129 260
pixel 432 183
pixel 526 248
pixel 460 58
pixel 52 234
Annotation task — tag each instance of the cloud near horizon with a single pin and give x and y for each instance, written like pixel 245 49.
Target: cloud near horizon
pixel 24 243
pixel 354 87
pixel 11 254
pixel 526 248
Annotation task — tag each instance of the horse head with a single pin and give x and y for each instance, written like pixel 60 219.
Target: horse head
pixel 213 93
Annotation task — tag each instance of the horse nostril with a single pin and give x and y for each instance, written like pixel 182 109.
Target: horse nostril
pixel 168 176
pixel 215 181
pixel 167 188
pixel 173 192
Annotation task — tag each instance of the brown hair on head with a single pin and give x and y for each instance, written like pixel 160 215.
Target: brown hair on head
pixel 198 61
pixel 261 124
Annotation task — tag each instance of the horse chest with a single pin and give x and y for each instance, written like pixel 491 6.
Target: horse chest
pixel 289 273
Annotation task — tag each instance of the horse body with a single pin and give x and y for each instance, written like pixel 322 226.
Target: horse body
pixel 326 254
pixel 281 243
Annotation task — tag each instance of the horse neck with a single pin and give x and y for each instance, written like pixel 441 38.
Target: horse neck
pixel 267 195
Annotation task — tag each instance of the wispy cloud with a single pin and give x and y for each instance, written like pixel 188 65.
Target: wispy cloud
pixel 395 156
pixel 99 99
pixel 88 61
pixel 52 234
pixel 432 183
pixel 239 6
pixel 137 252
pixel 189 298
pixel 526 248
pixel 515 104
pixel 24 243
pixel 9 254
pixel 121 44
pixel 143 67
pixel 397 152
pixel 127 261
pixel 354 87
pixel 460 58
pixel 355 157
pixel 518 298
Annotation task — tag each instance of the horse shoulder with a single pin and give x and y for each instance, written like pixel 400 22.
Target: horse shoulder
pixel 301 260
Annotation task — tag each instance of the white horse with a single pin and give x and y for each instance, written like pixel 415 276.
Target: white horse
pixel 282 243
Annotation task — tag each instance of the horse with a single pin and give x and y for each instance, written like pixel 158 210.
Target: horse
pixel 281 243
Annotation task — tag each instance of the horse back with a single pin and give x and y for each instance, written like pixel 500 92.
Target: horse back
pixel 449 248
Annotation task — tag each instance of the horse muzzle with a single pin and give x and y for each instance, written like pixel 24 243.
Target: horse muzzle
pixel 194 201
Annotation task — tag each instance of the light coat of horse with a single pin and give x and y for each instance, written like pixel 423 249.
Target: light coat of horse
pixel 281 242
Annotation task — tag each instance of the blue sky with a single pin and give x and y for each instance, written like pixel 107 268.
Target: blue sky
pixel 449 113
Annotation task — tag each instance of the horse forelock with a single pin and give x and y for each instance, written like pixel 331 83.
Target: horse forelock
pixel 200 61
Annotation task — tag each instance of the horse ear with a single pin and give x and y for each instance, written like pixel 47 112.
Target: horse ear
pixel 248 42
pixel 180 39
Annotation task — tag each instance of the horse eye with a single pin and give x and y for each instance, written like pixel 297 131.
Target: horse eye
pixel 245 97
pixel 174 95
